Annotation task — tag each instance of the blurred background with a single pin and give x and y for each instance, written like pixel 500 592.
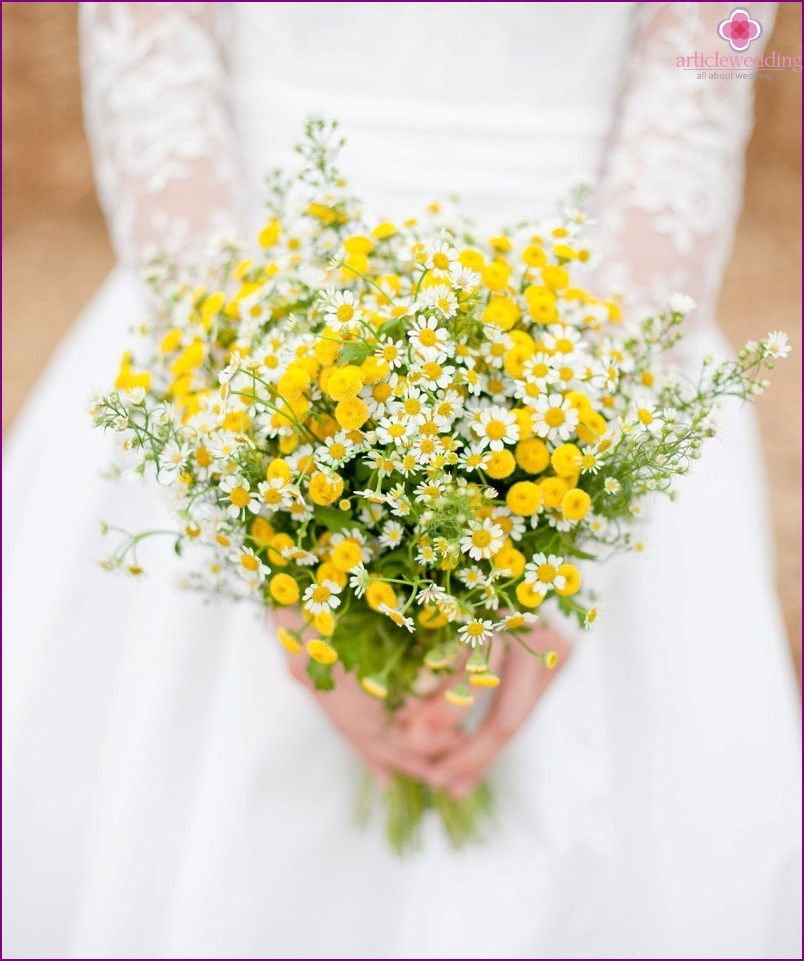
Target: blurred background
pixel 55 250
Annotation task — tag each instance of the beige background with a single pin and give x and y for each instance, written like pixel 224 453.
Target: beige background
pixel 55 251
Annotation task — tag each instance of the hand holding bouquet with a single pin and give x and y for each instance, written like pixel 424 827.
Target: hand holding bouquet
pixel 412 437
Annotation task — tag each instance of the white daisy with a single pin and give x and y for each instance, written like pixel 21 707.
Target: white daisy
pixel 776 345
pixel 496 427
pixel 321 598
pixel 476 632
pixel 483 540
pixel 541 572
pixel 554 418
pixel 342 310
pixel 430 341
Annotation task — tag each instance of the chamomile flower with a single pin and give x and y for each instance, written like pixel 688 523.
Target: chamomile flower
pixel 441 299
pixel 321 598
pixel 400 619
pixel 342 310
pixel 476 632
pixel 495 427
pixel 776 345
pixel 393 534
pixel 441 256
pixel 239 496
pixel 554 418
pixel 428 339
pixel 543 572
pixel 483 540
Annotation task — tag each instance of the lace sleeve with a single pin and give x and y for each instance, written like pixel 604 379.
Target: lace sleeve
pixel 672 184
pixel 158 125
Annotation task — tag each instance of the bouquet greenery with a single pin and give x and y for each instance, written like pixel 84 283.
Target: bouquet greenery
pixel 412 435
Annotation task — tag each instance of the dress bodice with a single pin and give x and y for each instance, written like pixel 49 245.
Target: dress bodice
pixel 501 104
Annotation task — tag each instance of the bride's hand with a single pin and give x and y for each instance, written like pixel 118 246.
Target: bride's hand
pixel 524 681
pixel 380 739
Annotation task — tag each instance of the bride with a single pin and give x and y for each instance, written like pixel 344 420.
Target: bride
pixel 169 791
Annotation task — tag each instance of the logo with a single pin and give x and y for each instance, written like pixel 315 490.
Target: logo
pixel 740 30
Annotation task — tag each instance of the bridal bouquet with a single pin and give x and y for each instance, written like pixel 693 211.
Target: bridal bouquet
pixel 410 435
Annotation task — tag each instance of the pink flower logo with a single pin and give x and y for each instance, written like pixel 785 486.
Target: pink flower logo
pixel 740 30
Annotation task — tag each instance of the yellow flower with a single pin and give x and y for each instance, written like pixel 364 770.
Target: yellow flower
pixel 532 455
pixel 358 244
pixel 572 580
pixel 379 593
pixel 280 469
pixel 324 623
pixel 352 413
pixel 322 652
pixel 553 489
pixel 575 504
pixel 501 312
pixel 373 370
pixel 375 686
pixel 269 234
pixel 344 383
pixel 471 258
pixel 510 559
pixel 534 256
pixel 329 572
pixel 293 382
pixel 501 464
pixel 556 278
pixel 288 640
pixel 591 426
pixel 495 276
pixel 325 488
pixel 189 359
pixel 261 532
pixel 459 696
pixel 384 230
pixel 524 498
pixel 127 379
pixel 284 589
pixel 170 341
pixel 551 659
pixel 431 618
pixel 277 544
pixel 528 595
pixel 347 555
pixel 484 680
pixel 566 460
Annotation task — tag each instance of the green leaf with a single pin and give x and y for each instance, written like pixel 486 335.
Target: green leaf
pixel 354 353
pixel 334 519
pixel 320 675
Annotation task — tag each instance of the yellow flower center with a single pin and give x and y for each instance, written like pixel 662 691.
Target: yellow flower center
pixel 440 261
pixel 554 417
pixel 564 345
pixel 475 629
pixel 337 450
pixel 495 429
pixel 427 337
pixel 249 563
pixel 481 538
pixel 345 313
pixel 397 430
pixel 239 497
pixel 321 594
pixel 390 352
pixel 546 573
pixel 432 370
pixel 412 406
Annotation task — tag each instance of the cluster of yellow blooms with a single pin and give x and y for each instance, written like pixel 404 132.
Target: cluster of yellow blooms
pixel 409 435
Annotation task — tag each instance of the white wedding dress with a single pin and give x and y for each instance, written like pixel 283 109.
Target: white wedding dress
pixel 169 791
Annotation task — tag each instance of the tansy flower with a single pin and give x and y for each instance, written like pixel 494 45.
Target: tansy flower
pixel 284 589
pixel 321 597
pixel 483 540
pixel 575 504
pixel 289 641
pixel 484 680
pixel 322 652
pixel 524 498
